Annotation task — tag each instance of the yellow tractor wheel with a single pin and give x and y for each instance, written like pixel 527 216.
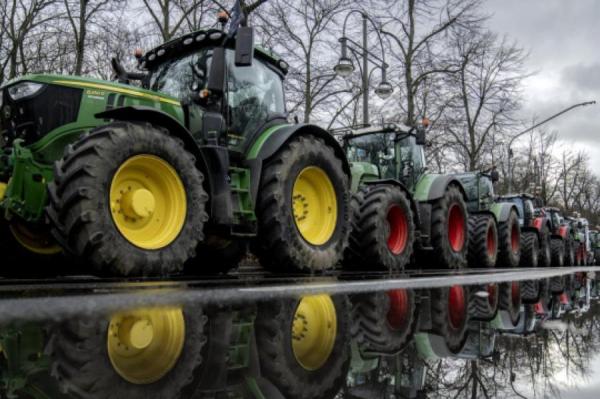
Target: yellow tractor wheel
pixel 303 341
pixel 129 198
pixel 303 207
pixel 140 353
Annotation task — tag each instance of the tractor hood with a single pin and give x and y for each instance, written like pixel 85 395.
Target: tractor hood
pixel 34 105
pixel 96 86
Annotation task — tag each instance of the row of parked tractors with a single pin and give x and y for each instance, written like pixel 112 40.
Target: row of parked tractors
pixel 185 171
pixel 309 348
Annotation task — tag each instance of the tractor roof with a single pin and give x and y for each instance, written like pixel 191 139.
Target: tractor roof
pixel 551 209
pixel 200 39
pixel 517 195
pixel 360 130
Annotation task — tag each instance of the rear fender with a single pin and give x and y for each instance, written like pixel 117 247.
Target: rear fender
pixel 271 140
pixel 563 231
pixel 502 210
pixel 431 187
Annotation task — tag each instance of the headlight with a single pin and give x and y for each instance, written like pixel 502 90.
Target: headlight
pixel 24 89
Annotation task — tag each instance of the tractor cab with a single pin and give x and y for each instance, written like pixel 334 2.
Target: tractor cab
pixel 226 102
pixel 389 152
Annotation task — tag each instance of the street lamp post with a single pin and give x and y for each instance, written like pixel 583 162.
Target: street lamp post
pixel 510 154
pixel 345 67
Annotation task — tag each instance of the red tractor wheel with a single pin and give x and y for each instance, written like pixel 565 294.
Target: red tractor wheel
pixel 383 229
pixel 399 230
pixel 510 300
pixel 450 315
pixel 483 241
pixel 509 250
pixel 483 302
pixel 384 322
pixel 449 232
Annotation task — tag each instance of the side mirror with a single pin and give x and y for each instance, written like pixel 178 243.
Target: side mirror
pixel 421 136
pixel 244 46
pixel 216 77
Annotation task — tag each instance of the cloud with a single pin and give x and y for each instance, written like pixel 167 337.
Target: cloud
pixel 583 77
pixel 562 37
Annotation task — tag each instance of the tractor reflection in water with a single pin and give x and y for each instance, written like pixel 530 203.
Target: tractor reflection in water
pixel 399 343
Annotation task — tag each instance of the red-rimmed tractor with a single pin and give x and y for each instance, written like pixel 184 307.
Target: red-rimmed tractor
pixel 494 233
pixel 397 207
pixel 562 242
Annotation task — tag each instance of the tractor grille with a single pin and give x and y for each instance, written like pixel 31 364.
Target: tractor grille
pixel 32 118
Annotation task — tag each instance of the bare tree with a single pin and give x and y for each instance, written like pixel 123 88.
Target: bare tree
pixel 169 16
pixel 418 45
pixel 20 19
pixel 488 87
pixel 303 32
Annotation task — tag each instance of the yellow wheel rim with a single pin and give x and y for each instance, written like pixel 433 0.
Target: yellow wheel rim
pixel 38 242
pixel 314 331
pixel 314 205
pixel 148 202
pixel 145 344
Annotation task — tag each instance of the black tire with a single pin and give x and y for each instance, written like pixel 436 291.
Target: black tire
pixel 530 249
pixel 452 329
pixel 557 248
pixel 483 241
pixel 80 212
pixel 273 328
pixel 569 252
pixel 545 247
pixel 509 246
pixel 444 255
pixel 352 257
pixel 217 256
pixel 510 300
pixel 280 243
pixel 557 285
pixel 80 363
pixel 375 329
pixel 484 308
pixel 530 291
pixel 31 264
pixel 384 234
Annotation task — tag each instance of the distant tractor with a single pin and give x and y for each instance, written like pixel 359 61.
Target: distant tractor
pixel 583 246
pixel 535 231
pixel 563 238
pixel 397 204
pixel 595 241
pixel 186 168
pixel 494 232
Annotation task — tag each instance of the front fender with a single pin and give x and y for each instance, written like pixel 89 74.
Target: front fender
pixel 272 139
pixel 432 186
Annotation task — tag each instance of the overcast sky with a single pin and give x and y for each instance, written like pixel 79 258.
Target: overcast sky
pixel 563 37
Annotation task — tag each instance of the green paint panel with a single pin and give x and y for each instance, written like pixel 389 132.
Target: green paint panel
pixel 362 172
pixel 262 139
pixel 424 185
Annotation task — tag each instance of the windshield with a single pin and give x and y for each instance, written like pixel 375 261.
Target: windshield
pixel 410 154
pixel 377 149
pixel 254 95
pixel 177 76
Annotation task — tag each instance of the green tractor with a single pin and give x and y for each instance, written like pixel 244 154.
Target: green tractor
pixel 198 161
pixel 397 204
pixel 595 240
pixel 494 238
